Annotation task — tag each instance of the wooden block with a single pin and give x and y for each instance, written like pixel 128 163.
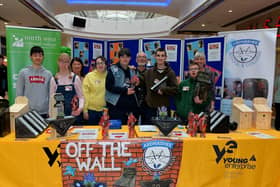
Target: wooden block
pixel 20 107
pixel 241 114
pixel 262 116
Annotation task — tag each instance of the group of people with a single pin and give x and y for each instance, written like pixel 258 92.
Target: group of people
pixel 121 88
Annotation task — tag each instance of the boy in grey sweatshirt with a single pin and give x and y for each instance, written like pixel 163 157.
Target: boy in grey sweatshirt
pixel 34 82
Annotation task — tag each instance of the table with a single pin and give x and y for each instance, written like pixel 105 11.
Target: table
pixel 226 160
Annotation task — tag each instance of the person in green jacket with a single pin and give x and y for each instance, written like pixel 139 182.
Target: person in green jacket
pixel 185 100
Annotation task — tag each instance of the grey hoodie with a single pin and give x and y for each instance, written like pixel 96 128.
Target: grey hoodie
pixel 35 85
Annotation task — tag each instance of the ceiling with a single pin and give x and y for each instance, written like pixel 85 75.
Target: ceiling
pixel 41 13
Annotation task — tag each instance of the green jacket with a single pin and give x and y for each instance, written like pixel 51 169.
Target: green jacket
pixel 184 100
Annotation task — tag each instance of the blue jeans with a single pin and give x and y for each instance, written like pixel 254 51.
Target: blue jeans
pixel 94 117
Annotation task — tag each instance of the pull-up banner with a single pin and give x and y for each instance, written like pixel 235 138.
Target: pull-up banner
pixel 249 66
pixel 19 42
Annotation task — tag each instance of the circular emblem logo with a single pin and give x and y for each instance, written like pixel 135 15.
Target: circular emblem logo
pixel 244 53
pixel 157 158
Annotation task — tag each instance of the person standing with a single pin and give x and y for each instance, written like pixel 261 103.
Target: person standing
pixel 120 88
pixel 141 60
pixel 34 83
pixel 3 77
pixel 277 102
pixel 160 96
pixel 77 67
pixel 69 85
pixel 94 92
pixel 200 59
pixel 186 100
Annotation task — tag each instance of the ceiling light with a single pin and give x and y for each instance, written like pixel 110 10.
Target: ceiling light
pixel 1 4
pixel 229 11
pixel 122 2
pixel 203 25
pixel 5 23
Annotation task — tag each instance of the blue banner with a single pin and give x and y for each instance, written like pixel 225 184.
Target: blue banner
pixel 172 47
pixel 87 50
pixel 213 49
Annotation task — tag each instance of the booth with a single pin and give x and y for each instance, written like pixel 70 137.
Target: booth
pixel 241 158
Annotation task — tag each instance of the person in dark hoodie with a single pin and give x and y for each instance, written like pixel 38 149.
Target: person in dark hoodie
pixel 120 88
pixel 34 83
pixel 159 96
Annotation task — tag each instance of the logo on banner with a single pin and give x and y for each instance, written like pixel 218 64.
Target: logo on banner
pixel 53 156
pixel 157 154
pixel 225 156
pixel 18 42
pixel 245 51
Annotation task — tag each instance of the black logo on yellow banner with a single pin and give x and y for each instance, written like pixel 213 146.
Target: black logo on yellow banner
pixel 229 146
pixel 225 154
pixel 53 156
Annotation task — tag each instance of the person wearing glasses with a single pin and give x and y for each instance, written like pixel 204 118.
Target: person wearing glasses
pixel 141 60
pixel 94 92
pixel 70 86
pixel 186 101
pixel 159 96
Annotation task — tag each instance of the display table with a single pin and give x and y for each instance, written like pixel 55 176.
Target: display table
pixel 241 158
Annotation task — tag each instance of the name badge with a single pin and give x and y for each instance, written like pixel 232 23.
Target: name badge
pixel 68 88
pixel 186 88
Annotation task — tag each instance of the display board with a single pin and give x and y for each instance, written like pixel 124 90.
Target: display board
pixel 113 48
pixel 88 50
pixel 213 49
pixel 172 47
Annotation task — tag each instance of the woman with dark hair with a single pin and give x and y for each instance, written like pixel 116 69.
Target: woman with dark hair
pixel 94 92
pixel 77 67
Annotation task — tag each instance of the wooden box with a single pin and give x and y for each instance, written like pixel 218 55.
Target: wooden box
pixel 262 114
pixel 20 107
pixel 241 114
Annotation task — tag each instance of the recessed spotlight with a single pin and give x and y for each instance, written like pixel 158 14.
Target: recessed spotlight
pixel 1 4
pixel 229 11
pixel 203 25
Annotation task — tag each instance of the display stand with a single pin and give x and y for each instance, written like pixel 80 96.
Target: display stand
pixel 58 122
pixel 241 114
pixel 262 113
pixel 20 107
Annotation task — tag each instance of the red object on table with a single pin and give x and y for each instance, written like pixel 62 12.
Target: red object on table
pixel 105 123
pixel 131 123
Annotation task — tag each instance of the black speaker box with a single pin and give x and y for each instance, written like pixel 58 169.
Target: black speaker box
pixel 4 117
pixel 79 22
pixel 30 125
pixel 218 123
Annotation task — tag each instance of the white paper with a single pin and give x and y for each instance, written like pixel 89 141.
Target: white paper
pixel 96 50
pixel 147 128
pixel 260 135
pixel 182 134
pixel 88 136
pixel 82 130
pixel 171 50
pixel 118 135
pixel 86 133
pixel 214 51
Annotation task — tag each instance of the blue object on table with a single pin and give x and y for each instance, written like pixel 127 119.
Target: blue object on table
pixel 115 124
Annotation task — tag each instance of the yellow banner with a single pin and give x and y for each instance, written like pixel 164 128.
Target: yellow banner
pixel 239 159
